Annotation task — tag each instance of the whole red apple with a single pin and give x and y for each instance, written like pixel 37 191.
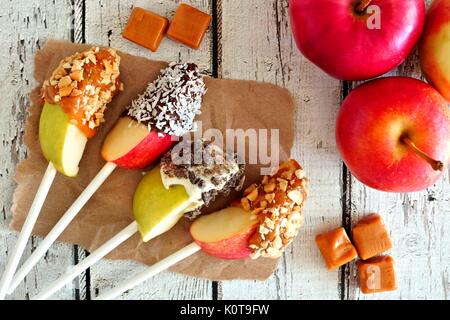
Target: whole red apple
pixel 357 40
pixel 435 47
pixel 394 134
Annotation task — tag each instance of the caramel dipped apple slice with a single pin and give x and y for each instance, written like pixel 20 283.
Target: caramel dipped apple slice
pixel 75 99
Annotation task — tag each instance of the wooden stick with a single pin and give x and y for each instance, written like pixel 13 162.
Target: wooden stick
pixel 62 224
pixel 27 228
pixel 150 272
pixel 94 257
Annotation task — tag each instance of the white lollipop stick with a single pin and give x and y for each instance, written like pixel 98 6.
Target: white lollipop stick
pixel 62 224
pixel 106 248
pixel 95 256
pixel 150 272
pixel 27 228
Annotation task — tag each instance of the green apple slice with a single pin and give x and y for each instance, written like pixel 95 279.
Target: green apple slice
pixel 62 143
pixel 157 209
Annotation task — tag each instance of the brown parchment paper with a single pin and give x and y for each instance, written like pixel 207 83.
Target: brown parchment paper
pixel 227 104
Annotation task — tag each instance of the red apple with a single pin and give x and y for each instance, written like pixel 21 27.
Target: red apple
pixel 341 36
pixel 434 47
pixel 394 134
pixel 131 145
pixel 225 234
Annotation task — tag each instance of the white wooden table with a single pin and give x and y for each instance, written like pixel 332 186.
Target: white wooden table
pixel 249 39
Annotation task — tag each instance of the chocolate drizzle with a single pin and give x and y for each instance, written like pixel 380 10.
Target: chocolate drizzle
pixel 206 167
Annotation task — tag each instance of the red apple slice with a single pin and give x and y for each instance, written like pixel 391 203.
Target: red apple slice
pixel 130 145
pixel 225 234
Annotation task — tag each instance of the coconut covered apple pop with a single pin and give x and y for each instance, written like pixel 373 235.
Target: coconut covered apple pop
pixel 75 99
pixel 148 128
pixel 261 224
pixel 166 110
pixel 182 184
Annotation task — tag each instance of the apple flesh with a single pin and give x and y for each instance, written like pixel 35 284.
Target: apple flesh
pixel 62 143
pixel 434 47
pixel 339 36
pixel 131 145
pixel 394 134
pixel 225 234
pixel 157 209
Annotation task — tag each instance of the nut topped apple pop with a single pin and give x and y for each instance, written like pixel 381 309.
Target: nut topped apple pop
pixel 76 96
pixel 165 110
pixel 165 194
pixel 278 204
pixel 148 128
pixel 75 99
pixel 261 224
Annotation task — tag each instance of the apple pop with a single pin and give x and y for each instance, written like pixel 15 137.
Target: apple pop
pixel 147 130
pixel 75 99
pixel 167 109
pixel 182 184
pixel 261 224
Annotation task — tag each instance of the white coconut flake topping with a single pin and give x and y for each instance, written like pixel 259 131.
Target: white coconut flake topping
pixel 170 103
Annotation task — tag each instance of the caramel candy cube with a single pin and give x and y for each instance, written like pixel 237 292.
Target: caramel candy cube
pixel 189 26
pixel 336 248
pixel 145 28
pixel 371 237
pixel 377 275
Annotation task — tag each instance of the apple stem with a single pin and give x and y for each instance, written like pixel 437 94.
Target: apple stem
pixel 362 6
pixel 436 165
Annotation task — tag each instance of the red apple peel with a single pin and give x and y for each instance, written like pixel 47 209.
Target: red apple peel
pixel 365 43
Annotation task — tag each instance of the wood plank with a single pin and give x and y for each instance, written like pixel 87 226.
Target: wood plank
pixel 105 21
pixel 419 225
pixel 256 44
pixel 25 26
pixel 420 228
pixel 419 222
pixel 420 232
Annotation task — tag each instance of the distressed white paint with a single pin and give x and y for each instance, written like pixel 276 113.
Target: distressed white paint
pixel 255 44
pixel 419 225
pixel 24 27
pixel 105 21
